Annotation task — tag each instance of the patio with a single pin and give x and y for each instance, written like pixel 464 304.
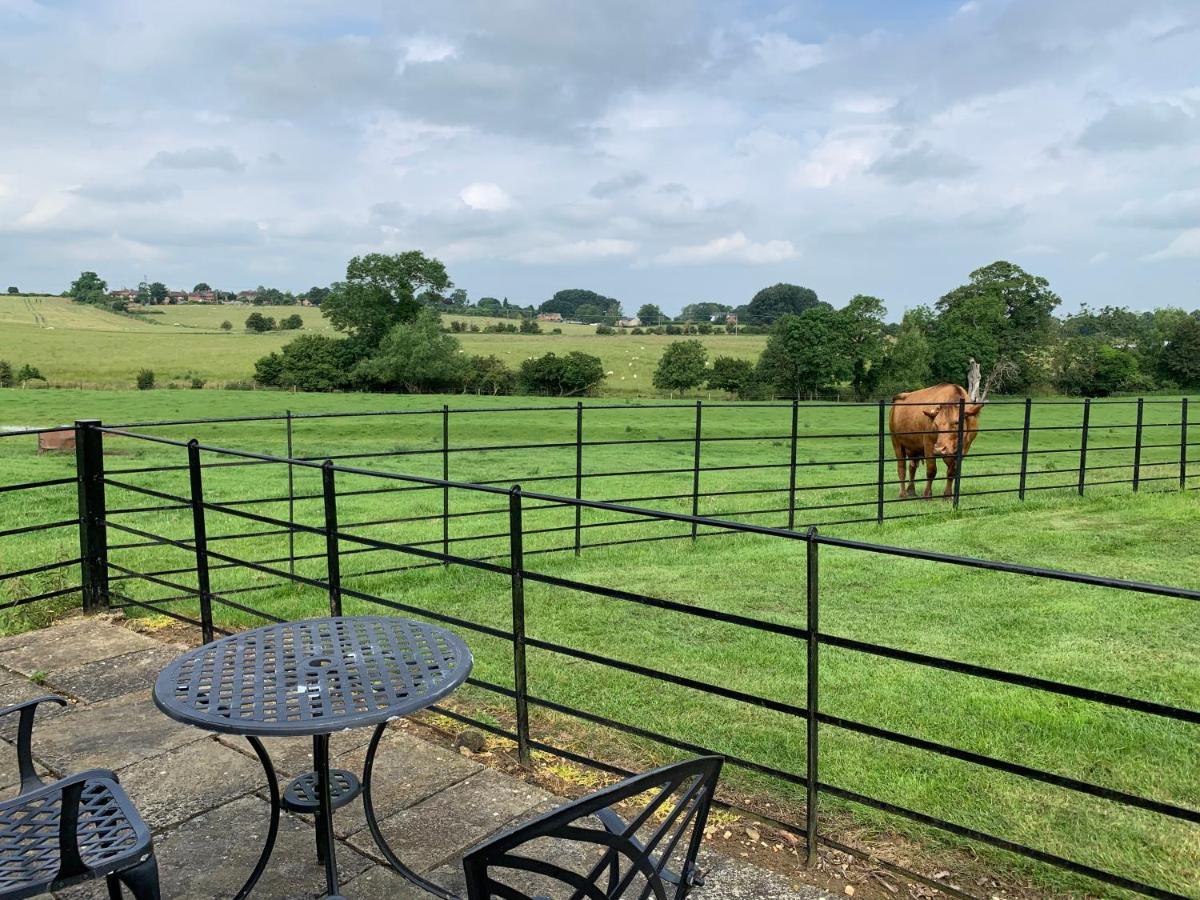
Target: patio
pixel 204 797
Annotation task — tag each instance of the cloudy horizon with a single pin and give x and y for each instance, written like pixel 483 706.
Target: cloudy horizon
pixel 662 153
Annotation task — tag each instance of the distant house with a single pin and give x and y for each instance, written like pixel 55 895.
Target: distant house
pixel 177 296
pixel 629 323
pixel 247 296
pixel 549 317
pixel 202 297
pixel 731 318
pixel 124 294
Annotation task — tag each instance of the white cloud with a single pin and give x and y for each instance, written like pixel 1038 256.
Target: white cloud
pixel 221 158
pixel 1098 258
pixel 578 251
pixel 735 248
pixel 781 53
pixel 426 49
pixel 485 196
pixel 1185 246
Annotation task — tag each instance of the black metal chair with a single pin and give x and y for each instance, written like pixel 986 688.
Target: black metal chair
pixel 610 857
pixel 74 829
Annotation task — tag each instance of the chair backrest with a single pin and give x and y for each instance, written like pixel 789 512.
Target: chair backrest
pixel 586 850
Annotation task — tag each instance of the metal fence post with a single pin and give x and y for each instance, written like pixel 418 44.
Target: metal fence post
pixel 958 453
pixel 812 778
pixel 1183 460
pixel 578 472
pixel 333 565
pixel 1025 449
pixel 291 498
pixel 792 467
pixel 1083 441
pixel 1137 447
pixel 445 487
pixel 879 473
pixel 696 470
pixel 200 540
pixel 93 532
pixel 516 545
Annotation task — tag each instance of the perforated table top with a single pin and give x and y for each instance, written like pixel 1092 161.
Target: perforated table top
pixel 315 676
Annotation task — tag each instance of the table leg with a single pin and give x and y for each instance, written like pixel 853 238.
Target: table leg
pixel 326 850
pixel 273 830
pixel 377 834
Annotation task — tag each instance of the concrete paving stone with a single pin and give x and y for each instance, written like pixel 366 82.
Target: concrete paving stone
pixel 439 828
pixel 110 735
pixel 73 642
pixel 407 771
pixel 20 690
pixel 733 879
pixel 211 856
pixel 175 786
pixel 108 678
pixel 381 883
pixel 292 756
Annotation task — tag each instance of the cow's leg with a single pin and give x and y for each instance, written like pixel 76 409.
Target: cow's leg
pixel 930 474
pixel 900 456
pixel 951 468
pixel 913 462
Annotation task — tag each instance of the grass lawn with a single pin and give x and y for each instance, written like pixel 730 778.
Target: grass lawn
pixel 78 345
pixel 1131 644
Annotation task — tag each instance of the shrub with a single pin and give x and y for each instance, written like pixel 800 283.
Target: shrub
pixel 414 357
pixel 605 329
pixel 257 323
pixel 313 362
pixel 575 373
pixel 530 326
pixel 737 376
pixel 29 373
pixel 227 325
pixel 291 323
pixel 240 386
pixel 6 374
pixel 556 331
pixel 198 383
pixel 637 331
pixel 488 375
pixel 12 289
pixel 681 366
pixel 268 369
pixel 145 379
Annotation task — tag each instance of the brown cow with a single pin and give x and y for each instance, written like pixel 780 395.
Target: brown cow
pixel 924 425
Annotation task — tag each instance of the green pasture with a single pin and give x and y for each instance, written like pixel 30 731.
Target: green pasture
pixel 82 346
pixel 1132 644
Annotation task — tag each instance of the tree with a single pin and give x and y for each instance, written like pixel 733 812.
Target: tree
pixel 227 325
pixel 201 286
pixel 567 302
pixel 574 374
pixel 590 313
pixel 909 362
pixel 489 306
pixel 1181 356
pixel 769 304
pixel 145 379
pixel 414 357
pixel 88 288
pixel 13 289
pixel 6 374
pixel 805 353
pixel 530 326
pixel 380 291
pixel 650 314
pixel 311 362
pixel 862 319
pixel 291 323
pixel 265 296
pixel 681 367
pixel 316 295
pixel 258 323
pixel 703 312
pixel 158 292
pixel 1089 366
pixel 1008 312
pixel 488 375
pixel 737 376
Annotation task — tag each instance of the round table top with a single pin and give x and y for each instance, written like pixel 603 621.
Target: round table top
pixel 315 676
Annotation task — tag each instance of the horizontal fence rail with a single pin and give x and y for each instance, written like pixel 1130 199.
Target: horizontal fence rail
pixel 326 551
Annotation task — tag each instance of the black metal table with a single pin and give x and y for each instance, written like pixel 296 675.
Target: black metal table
pixel 313 678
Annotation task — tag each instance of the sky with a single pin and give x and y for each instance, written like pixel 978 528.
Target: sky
pixel 667 152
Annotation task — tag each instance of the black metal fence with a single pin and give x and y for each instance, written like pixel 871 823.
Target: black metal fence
pixel 123 552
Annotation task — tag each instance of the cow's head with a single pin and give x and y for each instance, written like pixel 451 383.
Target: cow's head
pixel 945 418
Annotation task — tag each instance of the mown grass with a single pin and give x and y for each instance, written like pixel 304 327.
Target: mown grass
pixel 1132 644
pixel 75 344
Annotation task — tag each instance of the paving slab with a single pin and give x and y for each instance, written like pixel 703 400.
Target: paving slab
pixel 292 756
pixel 211 856
pixel 110 735
pixel 107 678
pixel 170 788
pixel 441 827
pixel 407 771
pixel 73 642
pixel 726 878
pixel 18 691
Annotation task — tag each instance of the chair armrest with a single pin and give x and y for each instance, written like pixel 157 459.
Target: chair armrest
pixel 28 709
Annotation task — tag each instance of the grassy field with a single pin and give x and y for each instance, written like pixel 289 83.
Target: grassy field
pixel 1130 644
pixel 74 344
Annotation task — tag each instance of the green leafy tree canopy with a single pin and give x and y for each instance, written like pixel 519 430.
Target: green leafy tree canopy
pixel 771 303
pixel 380 291
pixel 681 367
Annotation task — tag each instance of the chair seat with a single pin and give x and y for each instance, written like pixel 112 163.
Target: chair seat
pixel 110 835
